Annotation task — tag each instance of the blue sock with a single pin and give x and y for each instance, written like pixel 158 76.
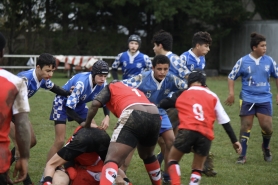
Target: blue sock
pixel 160 158
pixel 244 142
pixel 266 139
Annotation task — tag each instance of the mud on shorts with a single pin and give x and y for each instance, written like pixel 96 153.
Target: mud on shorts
pixel 86 177
pixel 188 139
pixel 136 126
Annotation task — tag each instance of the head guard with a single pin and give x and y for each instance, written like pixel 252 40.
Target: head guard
pixel 135 38
pixel 100 67
pixel 197 76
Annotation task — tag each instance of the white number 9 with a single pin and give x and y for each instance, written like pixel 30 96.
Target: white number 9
pixel 198 111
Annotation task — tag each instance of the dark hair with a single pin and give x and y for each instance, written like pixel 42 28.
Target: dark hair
pixel 46 59
pixel 164 38
pixel 201 38
pixel 197 75
pixel 256 39
pixel 2 42
pixel 160 59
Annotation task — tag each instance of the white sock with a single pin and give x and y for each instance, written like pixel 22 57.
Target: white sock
pixel 195 179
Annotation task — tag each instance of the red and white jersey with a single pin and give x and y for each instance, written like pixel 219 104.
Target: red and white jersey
pixel 123 97
pixel 13 100
pixel 198 108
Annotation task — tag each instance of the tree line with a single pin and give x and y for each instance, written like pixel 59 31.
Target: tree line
pixel 101 27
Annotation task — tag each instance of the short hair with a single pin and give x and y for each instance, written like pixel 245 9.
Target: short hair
pixel 256 39
pixel 2 42
pixel 160 59
pixel 201 38
pixel 164 38
pixel 46 59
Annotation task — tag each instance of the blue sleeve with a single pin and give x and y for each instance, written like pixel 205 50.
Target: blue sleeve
pixel 178 64
pixel 117 63
pixel 235 73
pixel 47 84
pixel 134 81
pixel 148 63
pixel 73 99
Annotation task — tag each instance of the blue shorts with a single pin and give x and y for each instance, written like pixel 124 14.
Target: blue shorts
pixel 165 124
pixel 248 108
pixel 59 110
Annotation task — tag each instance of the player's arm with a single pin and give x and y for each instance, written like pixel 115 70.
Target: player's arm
pixel 73 100
pixel 100 100
pixel 134 82
pixel 59 91
pixel 148 63
pixel 170 102
pixel 229 130
pixel 22 132
pixel 179 65
pixel 224 119
pixel 115 66
pixel 72 114
pixel 231 97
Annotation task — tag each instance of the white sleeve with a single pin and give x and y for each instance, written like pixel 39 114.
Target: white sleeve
pixel 221 114
pixel 21 102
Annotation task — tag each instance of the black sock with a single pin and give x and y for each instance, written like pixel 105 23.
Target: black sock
pixel 28 180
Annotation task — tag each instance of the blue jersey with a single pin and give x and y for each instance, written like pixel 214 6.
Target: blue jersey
pixel 191 61
pixel 177 68
pixel 132 65
pixel 32 82
pixel 154 90
pixel 83 91
pixel 255 74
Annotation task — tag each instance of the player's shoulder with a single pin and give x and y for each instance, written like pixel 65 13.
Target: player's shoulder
pixel 267 57
pixel 17 81
pixel 28 74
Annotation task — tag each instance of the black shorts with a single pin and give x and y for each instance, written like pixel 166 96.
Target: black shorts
pixel 188 139
pixel 3 178
pixel 86 140
pixel 137 127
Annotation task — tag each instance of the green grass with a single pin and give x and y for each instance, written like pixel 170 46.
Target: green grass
pixel 255 172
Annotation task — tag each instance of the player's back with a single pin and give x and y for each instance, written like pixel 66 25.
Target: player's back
pixel 196 107
pixel 85 78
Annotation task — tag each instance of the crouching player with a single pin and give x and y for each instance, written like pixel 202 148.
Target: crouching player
pixel 82 159
pixel 138 125
pixel 197 116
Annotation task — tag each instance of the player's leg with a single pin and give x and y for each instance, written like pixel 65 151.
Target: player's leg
pixel 117 152
pixel 264 114
pixel 247 113
pixel 168 137
pixel 60 133
pixel 201 149
pixel 147 140
pixel 127 161
pixel 60 177
pixel 161 154
pixel 123 141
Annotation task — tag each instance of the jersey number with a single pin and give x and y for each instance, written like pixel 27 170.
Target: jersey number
pixel 136 92
pixel 198 111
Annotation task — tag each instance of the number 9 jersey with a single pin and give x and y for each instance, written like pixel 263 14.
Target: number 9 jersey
pixel 198 114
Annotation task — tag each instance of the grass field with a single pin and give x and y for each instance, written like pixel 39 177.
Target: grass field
pixel 255 172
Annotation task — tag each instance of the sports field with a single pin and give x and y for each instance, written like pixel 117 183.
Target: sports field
pixel 255 172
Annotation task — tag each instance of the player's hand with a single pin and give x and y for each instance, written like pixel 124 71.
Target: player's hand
pixel 237 147
pixel 71 88
pixel 105 123
pixel 20 170
pixel 230 100
pixel 119 181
